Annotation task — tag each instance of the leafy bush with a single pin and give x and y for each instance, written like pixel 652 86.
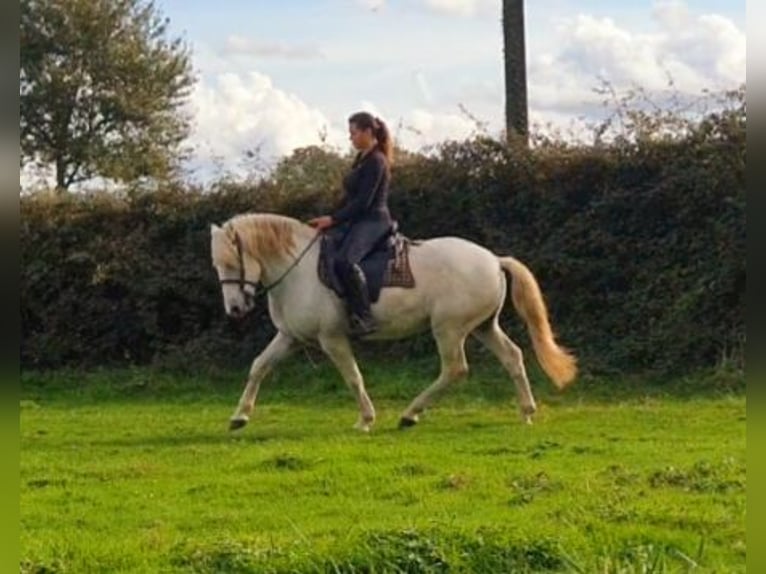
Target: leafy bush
pixel 638 244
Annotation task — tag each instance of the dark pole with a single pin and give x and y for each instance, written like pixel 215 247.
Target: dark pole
pixel 516 122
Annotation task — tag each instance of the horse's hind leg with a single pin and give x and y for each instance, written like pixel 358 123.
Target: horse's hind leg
pixel 340 353
pixel 454 366
pixel 279 347
pixel 511 357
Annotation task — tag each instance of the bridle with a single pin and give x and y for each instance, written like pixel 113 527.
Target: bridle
pixel 242 281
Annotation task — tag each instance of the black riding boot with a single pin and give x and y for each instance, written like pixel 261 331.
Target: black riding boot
pixel 358 298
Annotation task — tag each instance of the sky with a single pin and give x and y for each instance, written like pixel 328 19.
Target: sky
pixel 274 75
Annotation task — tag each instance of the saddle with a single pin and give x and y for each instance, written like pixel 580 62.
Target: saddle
pixel 387 265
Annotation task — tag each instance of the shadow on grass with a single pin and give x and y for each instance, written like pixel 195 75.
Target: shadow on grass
pixel 254 435
pixel 305 382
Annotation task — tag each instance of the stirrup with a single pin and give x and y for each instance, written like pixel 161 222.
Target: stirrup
pixel 360 326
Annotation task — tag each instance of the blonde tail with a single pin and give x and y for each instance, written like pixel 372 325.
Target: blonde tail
pixel 559 363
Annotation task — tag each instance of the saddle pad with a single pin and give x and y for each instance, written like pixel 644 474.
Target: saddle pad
pixel 398 272
pixel 389 268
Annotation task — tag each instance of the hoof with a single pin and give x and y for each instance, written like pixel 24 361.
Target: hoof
pixel 362 427
pixel 527 412
pixel 364 424
pixel 238 423
pixel 405 423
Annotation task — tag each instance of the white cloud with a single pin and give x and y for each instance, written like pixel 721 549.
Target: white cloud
pixel 456 7
pixel 598 46
pixel 448 7
pixel 235 113
pixel 713 47
pixel 420 128
pixel 673 14
pixel 237 110
pixel 696 51
pixel 240 45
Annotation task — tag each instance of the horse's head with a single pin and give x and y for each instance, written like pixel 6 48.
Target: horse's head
pixel 238 271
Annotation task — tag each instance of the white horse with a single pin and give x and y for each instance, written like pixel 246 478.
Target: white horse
pixel 460 289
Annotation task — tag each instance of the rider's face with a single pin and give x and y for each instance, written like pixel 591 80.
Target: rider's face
pixel 361 139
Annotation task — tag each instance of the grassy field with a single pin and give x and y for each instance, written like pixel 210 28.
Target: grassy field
pixel 135 471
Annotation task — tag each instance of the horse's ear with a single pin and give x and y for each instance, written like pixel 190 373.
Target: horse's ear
pixel 214 228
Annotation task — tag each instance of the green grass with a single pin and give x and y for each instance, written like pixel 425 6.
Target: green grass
pixel 134 471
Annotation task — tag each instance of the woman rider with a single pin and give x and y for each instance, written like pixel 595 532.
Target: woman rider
pixel 362 218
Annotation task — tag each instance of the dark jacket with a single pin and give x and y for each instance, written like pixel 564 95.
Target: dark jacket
pixel 362 219
pixel 365 191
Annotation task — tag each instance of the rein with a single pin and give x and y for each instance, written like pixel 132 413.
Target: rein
pixel 242 280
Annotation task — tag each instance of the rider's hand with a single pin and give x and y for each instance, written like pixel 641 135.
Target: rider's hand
pixel 322 222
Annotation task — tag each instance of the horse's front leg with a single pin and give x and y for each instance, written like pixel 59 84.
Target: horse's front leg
pixel 340 353
pixel 279 348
